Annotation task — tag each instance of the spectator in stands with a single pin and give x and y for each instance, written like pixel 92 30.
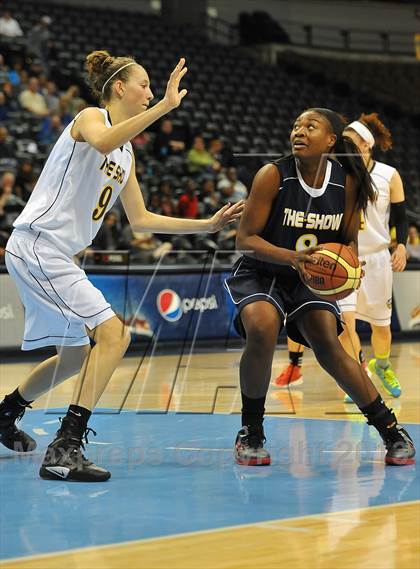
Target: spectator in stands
pixel 13 74
pixel 23 81
pixel 64 110
pixel 231 188
pixel 4 108
pixel 52 127
pixel 167 204
pixel 9 27
pixel 25 180
pixel 74 101
pixel 166 142
pixel 51 96
pixel 155 202
pixel 210 198
pixel 413 244
pixel 7 147
pixel 199 159
pixel 220 153
pixel 10 204
pixel 188 202
pixel 143 247
pixel 4 70
pixel 39 41
pixel 10 95
pixel 32 100
pixel 4 237
pixel 108 236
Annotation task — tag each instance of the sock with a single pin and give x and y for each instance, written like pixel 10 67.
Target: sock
pixel 252 410
pixel 383 361
pixel 80 414
pixel 295 358
pixel 382 418
pixel 15 401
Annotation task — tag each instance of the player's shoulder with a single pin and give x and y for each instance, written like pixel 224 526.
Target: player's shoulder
pixel 92 113
pixel 266 181
pixel 286 166
pixel 383 170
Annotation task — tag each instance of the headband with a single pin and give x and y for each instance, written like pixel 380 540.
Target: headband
pixel 363 131
pixel 113 75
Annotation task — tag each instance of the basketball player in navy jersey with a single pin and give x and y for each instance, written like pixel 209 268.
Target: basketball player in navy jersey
pixel 90 166
pixel 372 302
pixel 303 200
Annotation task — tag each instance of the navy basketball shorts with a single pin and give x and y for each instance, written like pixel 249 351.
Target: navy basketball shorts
pixel 288 294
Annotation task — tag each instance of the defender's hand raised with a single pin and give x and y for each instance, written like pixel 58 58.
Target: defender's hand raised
pixel 227 214
pixel 173 96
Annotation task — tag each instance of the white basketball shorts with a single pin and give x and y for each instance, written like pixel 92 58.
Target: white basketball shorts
pixel 373 301
pixel 59 300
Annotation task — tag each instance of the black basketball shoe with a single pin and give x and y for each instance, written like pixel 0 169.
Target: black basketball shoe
pixel 10 436
pixel 398 443
pixel 64 459
pixel 249 447
pixel 400 447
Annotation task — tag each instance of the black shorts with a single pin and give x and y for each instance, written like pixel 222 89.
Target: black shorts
pixel 288 294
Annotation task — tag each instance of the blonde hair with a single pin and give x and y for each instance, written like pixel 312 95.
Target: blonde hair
pixel 100 67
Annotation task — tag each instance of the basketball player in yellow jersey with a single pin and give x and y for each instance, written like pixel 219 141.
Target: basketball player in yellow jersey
pixel 90 166
pixel 372 302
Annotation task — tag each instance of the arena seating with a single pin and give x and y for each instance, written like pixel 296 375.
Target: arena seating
pixel 232 95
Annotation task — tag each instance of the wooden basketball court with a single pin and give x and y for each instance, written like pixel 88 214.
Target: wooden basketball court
pixel 327 500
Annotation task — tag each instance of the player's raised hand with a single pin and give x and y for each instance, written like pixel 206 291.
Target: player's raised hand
pixel 173 95
pixel 227 214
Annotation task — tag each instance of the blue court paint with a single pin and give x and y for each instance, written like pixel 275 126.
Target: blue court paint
pixel 157 490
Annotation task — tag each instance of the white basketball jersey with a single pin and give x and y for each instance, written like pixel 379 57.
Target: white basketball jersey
pixel 76 188
pixel 374 236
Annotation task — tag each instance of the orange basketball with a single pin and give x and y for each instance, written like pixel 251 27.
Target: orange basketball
pixel 337 272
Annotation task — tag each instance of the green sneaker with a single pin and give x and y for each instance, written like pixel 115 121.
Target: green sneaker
pixel 387 377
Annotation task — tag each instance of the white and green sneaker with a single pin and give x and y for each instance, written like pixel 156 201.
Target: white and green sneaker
pixel 388 378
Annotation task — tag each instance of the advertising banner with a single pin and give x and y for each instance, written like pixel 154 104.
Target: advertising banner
pixel 173 307
pixel 11 313
pixel 407 299
pixel 186 306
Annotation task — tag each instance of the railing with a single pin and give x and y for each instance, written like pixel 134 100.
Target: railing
pixel 325 37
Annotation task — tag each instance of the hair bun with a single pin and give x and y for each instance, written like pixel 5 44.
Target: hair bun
pixel 97 62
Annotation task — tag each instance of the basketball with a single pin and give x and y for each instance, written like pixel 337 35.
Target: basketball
pixel 337 272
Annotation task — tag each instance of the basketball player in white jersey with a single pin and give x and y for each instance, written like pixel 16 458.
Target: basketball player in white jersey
pixel 90 166
pixel 373 301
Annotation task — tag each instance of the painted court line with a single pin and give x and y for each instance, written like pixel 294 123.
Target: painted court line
pixel 97 549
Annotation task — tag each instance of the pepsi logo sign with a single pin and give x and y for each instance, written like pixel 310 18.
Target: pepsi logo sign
pixel 169 305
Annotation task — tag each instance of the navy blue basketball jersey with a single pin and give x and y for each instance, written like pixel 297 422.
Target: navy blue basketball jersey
pixel 302 216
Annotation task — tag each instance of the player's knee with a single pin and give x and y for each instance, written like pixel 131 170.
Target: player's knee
pixel 261 334
pixel 125 338
pixel 82 354
pixel 71 358
pixel 112 335
pixel 327 351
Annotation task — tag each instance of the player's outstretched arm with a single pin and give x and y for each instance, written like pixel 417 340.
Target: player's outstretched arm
pixel 90 126
pixel 143 220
